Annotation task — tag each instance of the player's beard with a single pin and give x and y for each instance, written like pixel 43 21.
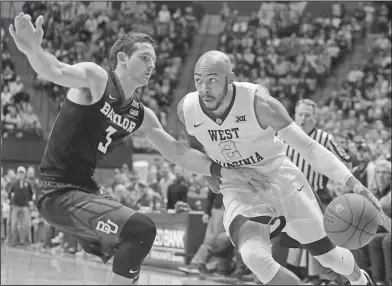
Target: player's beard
pixel 221 97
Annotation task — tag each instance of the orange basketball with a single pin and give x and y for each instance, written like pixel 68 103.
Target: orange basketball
pixel 351 221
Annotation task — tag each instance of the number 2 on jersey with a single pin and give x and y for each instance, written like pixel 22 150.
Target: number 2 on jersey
pixel 229 150
pixel 104 148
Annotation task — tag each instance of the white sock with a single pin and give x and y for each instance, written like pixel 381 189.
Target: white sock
pixel 361 281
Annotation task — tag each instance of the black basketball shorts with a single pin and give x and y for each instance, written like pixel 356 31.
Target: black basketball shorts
pixel 94 218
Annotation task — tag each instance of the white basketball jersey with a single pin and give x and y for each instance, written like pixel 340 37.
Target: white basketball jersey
pixel 236 138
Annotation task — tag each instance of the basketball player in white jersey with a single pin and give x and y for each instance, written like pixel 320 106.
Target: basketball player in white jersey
pixel 235 124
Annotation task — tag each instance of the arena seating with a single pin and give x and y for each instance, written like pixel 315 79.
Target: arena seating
pixel 18 119
pixel 288 52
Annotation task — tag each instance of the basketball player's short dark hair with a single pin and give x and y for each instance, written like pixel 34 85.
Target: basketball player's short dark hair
pixel 126 44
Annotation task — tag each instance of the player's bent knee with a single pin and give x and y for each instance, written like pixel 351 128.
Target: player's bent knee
pixel 260 261
pixel 137 238
pixel 139 228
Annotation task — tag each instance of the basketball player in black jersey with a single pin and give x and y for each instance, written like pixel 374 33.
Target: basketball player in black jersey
pixel 100 109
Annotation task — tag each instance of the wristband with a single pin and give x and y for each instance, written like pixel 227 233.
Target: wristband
pixel 215 170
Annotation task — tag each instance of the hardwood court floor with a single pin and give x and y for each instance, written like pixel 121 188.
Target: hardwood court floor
pixel 26 266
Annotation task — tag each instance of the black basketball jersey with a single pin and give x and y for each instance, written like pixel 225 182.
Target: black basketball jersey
pixel 82 135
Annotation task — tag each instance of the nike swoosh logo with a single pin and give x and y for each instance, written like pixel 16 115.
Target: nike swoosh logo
pixel 194 125
pixel 132 271
pixel 111 97
pixel 300 189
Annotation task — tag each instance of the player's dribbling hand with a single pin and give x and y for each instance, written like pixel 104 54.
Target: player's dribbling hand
pixel 27 37
pixel 362 190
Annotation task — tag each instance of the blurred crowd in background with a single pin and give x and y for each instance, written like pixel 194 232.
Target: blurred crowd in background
pixel 17 115
pixel 284 49
pixel 280 46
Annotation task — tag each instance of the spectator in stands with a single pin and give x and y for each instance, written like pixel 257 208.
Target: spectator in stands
pixel 2 33
pixel 30 176
pixel 197 193
pixel 9 179
pixel 178 189
pixel 5 215
pixel 2 186
pixel 213 217
pixel 224 12
pixel 5 207
pixel 191 26
pixel 21 195
pixel 164 16
pixel 91 24
pixel 383 18
pixel 12 123
pixel 30 121
pixel 8 74
pixel 153 179
pixel 147 197
pixel 125 171
pixel 167 178
pixel 16 86
pixel 380 246
pixel 6 98
pixel 121 195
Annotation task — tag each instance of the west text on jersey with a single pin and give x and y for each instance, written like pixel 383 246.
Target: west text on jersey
pixel 117 119
pixel 226 134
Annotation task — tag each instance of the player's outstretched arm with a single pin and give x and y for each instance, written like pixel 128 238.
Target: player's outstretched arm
pixel 28 39
pixel 188 158
pixel 270 112
pixel 213 183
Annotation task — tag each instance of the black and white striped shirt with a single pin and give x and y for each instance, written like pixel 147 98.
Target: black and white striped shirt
pixel 316 180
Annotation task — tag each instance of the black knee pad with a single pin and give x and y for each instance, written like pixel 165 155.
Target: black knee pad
pixel 137 238
pixel 139 227
pixel 319 247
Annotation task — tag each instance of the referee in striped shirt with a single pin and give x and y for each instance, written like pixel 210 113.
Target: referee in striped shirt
pixel 306 118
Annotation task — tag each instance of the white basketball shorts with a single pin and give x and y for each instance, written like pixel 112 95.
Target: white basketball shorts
pixel 287 194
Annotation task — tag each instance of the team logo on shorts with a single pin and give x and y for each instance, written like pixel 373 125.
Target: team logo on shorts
pixel 339 208
pixel 107 227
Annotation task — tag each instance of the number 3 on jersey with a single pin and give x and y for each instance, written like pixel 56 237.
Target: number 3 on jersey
pixel 104 148
pixel 229 150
